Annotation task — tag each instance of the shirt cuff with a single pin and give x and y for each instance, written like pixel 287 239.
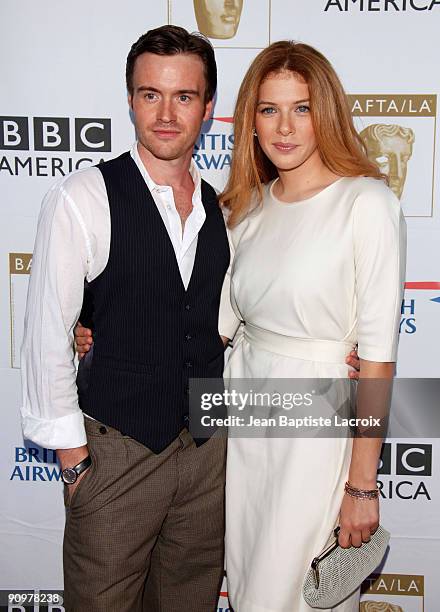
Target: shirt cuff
pixel 64 432
pixel 377 353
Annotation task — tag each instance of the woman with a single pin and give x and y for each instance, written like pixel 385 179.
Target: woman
pixel 318 242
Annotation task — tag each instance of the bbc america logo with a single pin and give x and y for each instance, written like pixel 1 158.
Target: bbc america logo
pixel 88 134
pixel 410 460
pixel 403 469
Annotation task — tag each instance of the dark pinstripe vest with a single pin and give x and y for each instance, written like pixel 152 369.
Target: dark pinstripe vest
pixel 150 335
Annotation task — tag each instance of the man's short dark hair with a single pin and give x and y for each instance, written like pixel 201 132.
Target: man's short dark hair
pixel 172 40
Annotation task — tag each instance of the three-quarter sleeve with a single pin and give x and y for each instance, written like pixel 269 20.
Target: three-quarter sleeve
pixel 379 239
pixel 228 322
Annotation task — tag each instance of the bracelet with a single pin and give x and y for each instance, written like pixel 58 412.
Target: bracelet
pixel 361 493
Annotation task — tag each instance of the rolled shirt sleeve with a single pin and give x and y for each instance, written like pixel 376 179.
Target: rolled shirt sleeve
pixel 379 238
pixel 62 259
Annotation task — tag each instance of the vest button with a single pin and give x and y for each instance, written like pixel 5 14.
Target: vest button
pixel 188 337
pixel 103 429
pixel 187 307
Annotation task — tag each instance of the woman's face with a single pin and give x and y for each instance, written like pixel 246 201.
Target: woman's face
pixel 283 121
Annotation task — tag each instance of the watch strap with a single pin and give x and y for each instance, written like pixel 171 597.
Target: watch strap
pixel 83 465
pixel 70 475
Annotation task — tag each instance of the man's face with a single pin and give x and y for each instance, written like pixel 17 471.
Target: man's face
pixel 392 154
pixel 168 104
pixel 218 18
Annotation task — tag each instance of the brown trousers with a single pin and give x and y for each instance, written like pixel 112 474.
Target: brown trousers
pixel 144 532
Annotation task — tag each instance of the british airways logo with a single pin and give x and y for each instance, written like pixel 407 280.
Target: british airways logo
pixel 35 464
pixel 213 149
pixel 408 321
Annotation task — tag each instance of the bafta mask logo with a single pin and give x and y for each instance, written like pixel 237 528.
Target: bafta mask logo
pixel 218 18
pixel 390 146
pixel 379 606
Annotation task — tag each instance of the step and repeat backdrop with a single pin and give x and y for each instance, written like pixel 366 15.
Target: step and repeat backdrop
pixel 64 107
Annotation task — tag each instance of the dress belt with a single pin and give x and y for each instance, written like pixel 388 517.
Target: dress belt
pixel 310 349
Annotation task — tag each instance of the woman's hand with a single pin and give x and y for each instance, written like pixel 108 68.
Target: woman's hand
pixel 358 519
pixel 353 360
pixel 83 340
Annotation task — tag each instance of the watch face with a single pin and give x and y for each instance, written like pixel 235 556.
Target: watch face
pixel 69 475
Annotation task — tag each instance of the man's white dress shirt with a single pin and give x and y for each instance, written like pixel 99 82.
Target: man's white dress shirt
pixel 72 244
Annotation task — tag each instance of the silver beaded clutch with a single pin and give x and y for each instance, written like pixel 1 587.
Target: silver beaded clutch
pixel 338 572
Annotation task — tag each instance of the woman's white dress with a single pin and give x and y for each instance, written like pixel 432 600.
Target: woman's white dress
pixel 310 280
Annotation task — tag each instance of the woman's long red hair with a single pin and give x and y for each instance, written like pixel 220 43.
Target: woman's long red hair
pixel 339 144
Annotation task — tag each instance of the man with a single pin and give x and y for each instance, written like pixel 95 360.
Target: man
pixel 144 527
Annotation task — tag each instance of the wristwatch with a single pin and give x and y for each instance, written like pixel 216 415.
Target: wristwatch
pixel 69 475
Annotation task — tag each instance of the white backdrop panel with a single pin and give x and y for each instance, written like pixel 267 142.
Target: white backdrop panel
pixel 63 69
